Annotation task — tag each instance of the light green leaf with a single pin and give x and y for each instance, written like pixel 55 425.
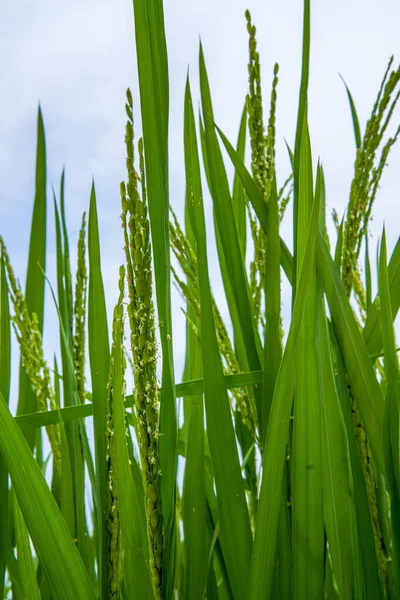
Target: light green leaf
pixel 53 543
pixel 233 515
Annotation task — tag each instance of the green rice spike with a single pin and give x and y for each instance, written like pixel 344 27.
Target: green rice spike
pixel 270 141
pixel 360 295
pixel 259 156
pixel 136 227
pixel 262 161
pixel 113 517
pixel 188 262
pixel 375 180
pixel 284 195
pixel 367 173
pixel 27 331
pixel 80 312
pixel 362 195
pixel 369 476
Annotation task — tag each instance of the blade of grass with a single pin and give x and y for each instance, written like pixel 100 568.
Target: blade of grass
pixel 194 505
pixel 34 291
pixel 5 378
pixel 239 341
pixel 194 497
pixel 66 484
pixel 13 574
pixel 368 585
pixel 301 115
pixel 263 557
pixel 227 231
pixel 372 332
pixel 41 419
pixel 233 514
pixel 339 246
pixel 67 264
pixel 99 358
pixel 368 282
pixel 355 355
pixel 354 117
pixel 339 515
pixel 25 562
pixel 53 543
pixel 256 200
pixel 154 98
pixel 238 197
pixel 187 388
pixel 392 410
pixel 308 527
pixel 69 387
pixel 272 335
pixel 82 443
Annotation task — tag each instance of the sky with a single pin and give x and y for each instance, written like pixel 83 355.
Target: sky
pixel 78 58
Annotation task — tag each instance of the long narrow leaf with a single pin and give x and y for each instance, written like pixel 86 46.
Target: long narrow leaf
pixel 5 377
pixel 263 556
pixel 233 514
pixel 339 515
pixel 154 98
pixel 257 202
pixel 227 231
pixel 308 527
pixel 53 543
pixel 392 410
pixel 358 365
pixel 34 293
pixel 99 358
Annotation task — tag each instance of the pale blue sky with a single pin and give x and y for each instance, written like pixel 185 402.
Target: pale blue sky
pixel 77 59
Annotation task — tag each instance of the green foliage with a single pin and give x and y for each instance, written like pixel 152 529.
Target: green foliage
pixel 289 441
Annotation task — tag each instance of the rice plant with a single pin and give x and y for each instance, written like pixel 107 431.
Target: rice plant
pixel 288 441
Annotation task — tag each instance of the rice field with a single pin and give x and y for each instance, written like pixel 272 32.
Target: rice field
pixel 286 438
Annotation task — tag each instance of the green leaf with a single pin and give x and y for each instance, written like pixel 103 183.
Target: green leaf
pixel 233 514
pixel 338 495
pixel 5 376
pixel 66 483
pixel 339 246
pixel 392 409
pixel 194 505
pixel 354 117
pixel 272 337
pixel 227 232
pixel 256 200
pixel 26 567
pixel 372 332
pixel 263 557
pixel 34 291
pixel 301 115
pixel 70 395
pixel 185 389
pixel 358 365
pixel 99 358
pixel 41 419
pixel 67 264
pixel 308 527
pixel 152 61
pixel 194 496
pixel 238 196
pixel 368 283
pixel 53 543
pixel 367 583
